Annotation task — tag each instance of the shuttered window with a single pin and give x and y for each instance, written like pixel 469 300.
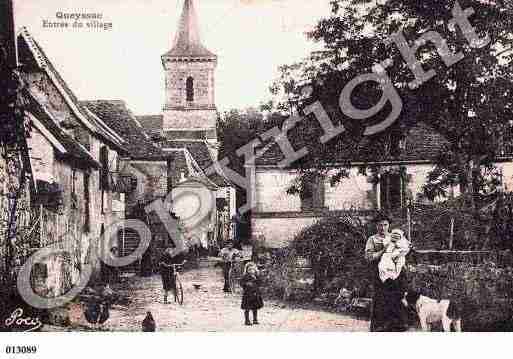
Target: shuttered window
pixel 87 200
pixel 104 174
pixel 312 193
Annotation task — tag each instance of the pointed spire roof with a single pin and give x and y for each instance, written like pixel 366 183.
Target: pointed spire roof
pixel 187 42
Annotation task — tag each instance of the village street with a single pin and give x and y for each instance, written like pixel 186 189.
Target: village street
pixel 208 309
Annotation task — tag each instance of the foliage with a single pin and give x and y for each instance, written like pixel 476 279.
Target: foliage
pixel 502 222
pixel 237 128
pixel 335 249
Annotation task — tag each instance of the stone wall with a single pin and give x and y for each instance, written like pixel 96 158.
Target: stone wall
pixel 176 76
pixel 191 119
pixel 484 291
pixel 279 232
pixel 277 229
pixel 278 216
pixel 507 175
pixel 151 181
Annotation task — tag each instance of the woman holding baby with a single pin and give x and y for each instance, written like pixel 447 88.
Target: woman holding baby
pixel 386 252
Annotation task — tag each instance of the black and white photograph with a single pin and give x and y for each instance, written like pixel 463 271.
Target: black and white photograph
pixel 256 166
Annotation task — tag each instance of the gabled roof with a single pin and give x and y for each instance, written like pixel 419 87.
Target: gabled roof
pixel 183 162
pixel 180 163
pixel 70 149
pixel 33 55
pixel 421 144
pixel 187 42
pixel 201 154
pixel 116 115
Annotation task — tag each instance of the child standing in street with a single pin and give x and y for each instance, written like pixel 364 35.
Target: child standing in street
pixel 251 297
pixel 228 254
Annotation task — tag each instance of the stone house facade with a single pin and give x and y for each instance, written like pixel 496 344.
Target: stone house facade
pixel 146 164
pixel 74 157
pixel 277 216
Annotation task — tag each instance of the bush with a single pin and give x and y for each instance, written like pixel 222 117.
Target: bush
pixel 335 248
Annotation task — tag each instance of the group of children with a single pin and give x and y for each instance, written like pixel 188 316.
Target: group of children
pixel 250 282
pixel 390 266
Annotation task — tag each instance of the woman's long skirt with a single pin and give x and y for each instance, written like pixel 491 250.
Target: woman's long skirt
pixel 388 313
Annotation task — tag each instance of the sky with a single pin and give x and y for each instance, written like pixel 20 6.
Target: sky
pixel 251 38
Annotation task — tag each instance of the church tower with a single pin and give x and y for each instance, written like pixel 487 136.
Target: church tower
pixel 189 111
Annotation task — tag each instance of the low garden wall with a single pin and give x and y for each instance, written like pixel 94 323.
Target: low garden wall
pixel 481 282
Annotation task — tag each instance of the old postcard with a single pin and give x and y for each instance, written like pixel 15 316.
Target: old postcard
pixel 256 166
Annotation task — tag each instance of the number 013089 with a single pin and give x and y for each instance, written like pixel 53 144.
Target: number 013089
pixel 20 349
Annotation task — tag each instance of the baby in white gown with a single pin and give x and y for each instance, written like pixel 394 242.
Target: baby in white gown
pixel 394 258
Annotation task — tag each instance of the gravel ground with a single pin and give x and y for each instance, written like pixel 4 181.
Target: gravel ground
pixel 208 309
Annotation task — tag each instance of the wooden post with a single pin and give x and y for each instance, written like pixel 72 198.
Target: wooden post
pixel 8 62
pixel 41 244
pixel 388 205
pixel 451 233
pixel 408 218
pixel 378 192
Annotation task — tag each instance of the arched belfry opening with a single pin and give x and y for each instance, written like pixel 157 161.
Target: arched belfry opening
pixel 189 89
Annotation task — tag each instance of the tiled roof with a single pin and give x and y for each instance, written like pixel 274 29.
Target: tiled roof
pixel 74 151
pixel 33 54
pixel 117 116
pixel 187 42
pixel 151 124
pixel 422 143
pixel 201 154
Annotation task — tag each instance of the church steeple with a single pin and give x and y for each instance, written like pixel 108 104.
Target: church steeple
pixel 187 41
pixel 189 110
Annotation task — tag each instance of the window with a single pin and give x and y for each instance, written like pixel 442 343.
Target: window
pixel 87 200
pixel 104 174
pixel 189 88
pixel 74 198
pixel 392 189
pixel 312 193
pixel 170 173
pixel 73 180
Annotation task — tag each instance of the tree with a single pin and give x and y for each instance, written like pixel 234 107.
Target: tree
pixel 468 98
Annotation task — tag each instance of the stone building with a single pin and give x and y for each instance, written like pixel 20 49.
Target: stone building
pixel 187 125
pixel 146 164
pixel 146 169
pixel 74 158
pixel 278 216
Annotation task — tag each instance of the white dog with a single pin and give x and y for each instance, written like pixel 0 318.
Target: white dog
pixel 432 311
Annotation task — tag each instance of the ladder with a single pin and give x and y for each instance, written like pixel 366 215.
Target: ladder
pixel 128 241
